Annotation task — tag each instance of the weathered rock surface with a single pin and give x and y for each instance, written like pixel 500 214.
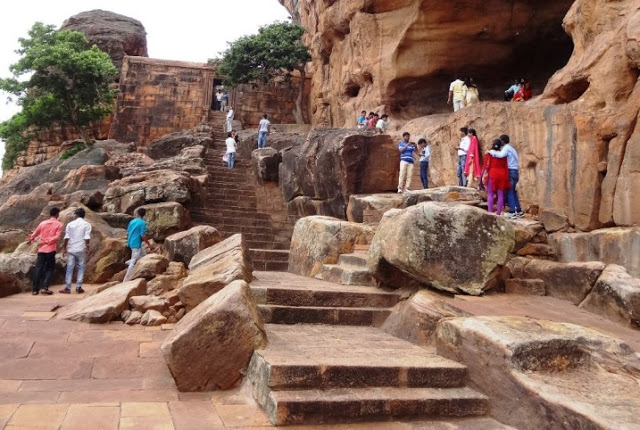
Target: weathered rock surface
pixel 266 162
pixel 319 175
pixel 566 281
pixel 149 266
pixel 116 220
pixel 11 238
pixel 152 318
pixel 165 219
pixel 442 194
pixel 578 377
pixel 115 34
pixel 319 240
pixel 173 144
pixel 211 346
pixel 371 207
pixel 450 247
pixel 553 220
pixel 145 303
pixel 618 245
pixel 528 287
pixel 214 268
pixel 527 231
pixel 16 273
pixel 616 296
pixel 105 306
pixel 183 246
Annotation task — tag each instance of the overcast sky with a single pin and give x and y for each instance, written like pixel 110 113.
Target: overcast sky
pixel 186 30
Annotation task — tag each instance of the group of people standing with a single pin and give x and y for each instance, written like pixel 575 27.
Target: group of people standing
pixel 520 91
pixel 373 120
pixel 408 151
pixel 76 250
pixel 463 93
pixel 221 100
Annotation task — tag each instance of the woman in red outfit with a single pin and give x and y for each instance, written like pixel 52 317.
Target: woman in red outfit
pixel 472 165
pixel 524 93
pixel 497 177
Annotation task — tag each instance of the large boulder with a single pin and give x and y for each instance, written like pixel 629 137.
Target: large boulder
pixel 172 144
pixel 214 268
pixel 266 162
pixel 442 194
pixel 209 349
pixel 318 176
pixel 450 247
pixel 11 238
pixel 105 306
pixel 319 240
pixel 165 219
pixel 616 296
pixel 566 281
pixel 183 246
pixel 541 374
pixel 369 208
pixel 149 266
pixel 16 273
pixel 115 34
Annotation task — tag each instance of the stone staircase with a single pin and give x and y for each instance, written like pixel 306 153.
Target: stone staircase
pixel 230 205
pixel 351 269
pixel 326 361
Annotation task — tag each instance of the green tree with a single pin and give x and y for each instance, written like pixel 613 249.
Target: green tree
pixel 260 57
pixel 58 80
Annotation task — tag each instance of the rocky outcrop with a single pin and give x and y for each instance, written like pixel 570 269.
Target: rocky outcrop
pixel 185 245
pixel 319 240
pixel 105 306
pixel 369 208
pixel 16 273
pixel 165 219
pixel 318 176
pixel 401 56
pixel 210 348
pixel 616 296
pixel 266 162
pixel 173 144
pixel 214 268
pixel 576 376
pixel 115 34
pixel 447 246
pixel 442 194
pixel 149 266
pixel 10 239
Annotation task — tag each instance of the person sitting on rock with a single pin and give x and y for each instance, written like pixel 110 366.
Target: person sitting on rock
pixel 362 120
pixel 76 250
pixel 513 89
pixel 406 149
pixel 471 95
pixel 49 233
pixel 524 92
pixel 382 123
pixel 136 234
pixel 497 177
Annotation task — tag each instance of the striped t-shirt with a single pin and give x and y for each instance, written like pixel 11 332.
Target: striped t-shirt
pixel 407 154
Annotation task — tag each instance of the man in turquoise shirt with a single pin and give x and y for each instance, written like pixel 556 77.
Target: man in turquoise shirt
pixel 136 233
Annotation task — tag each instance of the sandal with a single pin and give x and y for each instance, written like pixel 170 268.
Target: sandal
pixel 34 292
pixel 46 291
pixel 64 291
pixel 79 290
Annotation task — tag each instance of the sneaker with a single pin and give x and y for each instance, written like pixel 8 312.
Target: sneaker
pixel 46 292
pixel 520 214
pixel 65 291
pixel 79 290
pixel 509 215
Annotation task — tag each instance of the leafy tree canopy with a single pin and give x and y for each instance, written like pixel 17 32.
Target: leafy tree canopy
pixel 58 80
pixel 261 56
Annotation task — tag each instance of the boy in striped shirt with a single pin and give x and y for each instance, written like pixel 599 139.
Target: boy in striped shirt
pixel 407 150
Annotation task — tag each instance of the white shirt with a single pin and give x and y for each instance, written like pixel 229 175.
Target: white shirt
pixel 511 154
pixel 219 97
pixel 230 115
pixel 464 145
pixel 264 125
pixel 382 124
pixel 231 144
pixel 426 153
pixel 77 231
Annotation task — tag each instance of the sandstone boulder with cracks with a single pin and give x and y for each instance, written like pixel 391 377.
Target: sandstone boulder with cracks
pixel 448 246
pixel 165 219
pixel 182 246
pixel 149 266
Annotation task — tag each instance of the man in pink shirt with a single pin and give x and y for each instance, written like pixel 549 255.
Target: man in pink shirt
pixel 49 232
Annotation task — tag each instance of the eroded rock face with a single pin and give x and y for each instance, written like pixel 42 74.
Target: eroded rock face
pixel 526 366
pixel 319 240
pixel 115 34
pixel 105 306
pixel 173 144
pixel 319 175
pixel 16 273
pixel 451 247
pixel 616 296
pixel 165 219
pixel 183 246
pixel 10 239
pixel 211 346
pixel 402 55
pixel 149 266
pixel 266 162
pixel 371 207
pixel 442 194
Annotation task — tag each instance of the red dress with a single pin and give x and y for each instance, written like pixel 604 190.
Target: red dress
pixel 498 172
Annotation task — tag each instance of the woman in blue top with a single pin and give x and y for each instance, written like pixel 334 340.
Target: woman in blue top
pixel 406 149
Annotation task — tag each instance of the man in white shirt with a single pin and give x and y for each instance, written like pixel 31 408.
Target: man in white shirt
pixel 230 115
pixel 76 249
pixel 231 150
pixel 463 147
pixel 263 130
pixel 382 123
pixel 218 100
pixel 456 93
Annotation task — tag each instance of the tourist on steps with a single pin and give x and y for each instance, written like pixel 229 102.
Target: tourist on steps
pixel 513 164
pixel 218 102
pixel 76 249
pixel 463 147
pixel 497 177
pixel 473 162
pixel 230 115
pixel 425 153
pixel 231 149
pixel 456 93
pixel 49 232
pixel 224 102
pixel 406 149
pixel 263 130
pixel 136 234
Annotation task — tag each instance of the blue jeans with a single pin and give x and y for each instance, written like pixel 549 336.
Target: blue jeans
pixel 232 159
pixel 462 180
pixel 512 194
pixel 79 258
pixel 262 139
pixel 424 171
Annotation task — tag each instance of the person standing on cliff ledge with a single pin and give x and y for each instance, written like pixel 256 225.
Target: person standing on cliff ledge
pixel 406 149
pixel 463 148
pixel 263 130
pixel 76 249
pixel 49 232
pixel 456 93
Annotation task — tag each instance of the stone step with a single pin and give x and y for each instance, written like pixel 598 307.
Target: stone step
pixel 276 314
pixel 270 254
pixel 231 212
pixel 357 258
pixel 269 265
pixel 345 274
pixel 372 404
